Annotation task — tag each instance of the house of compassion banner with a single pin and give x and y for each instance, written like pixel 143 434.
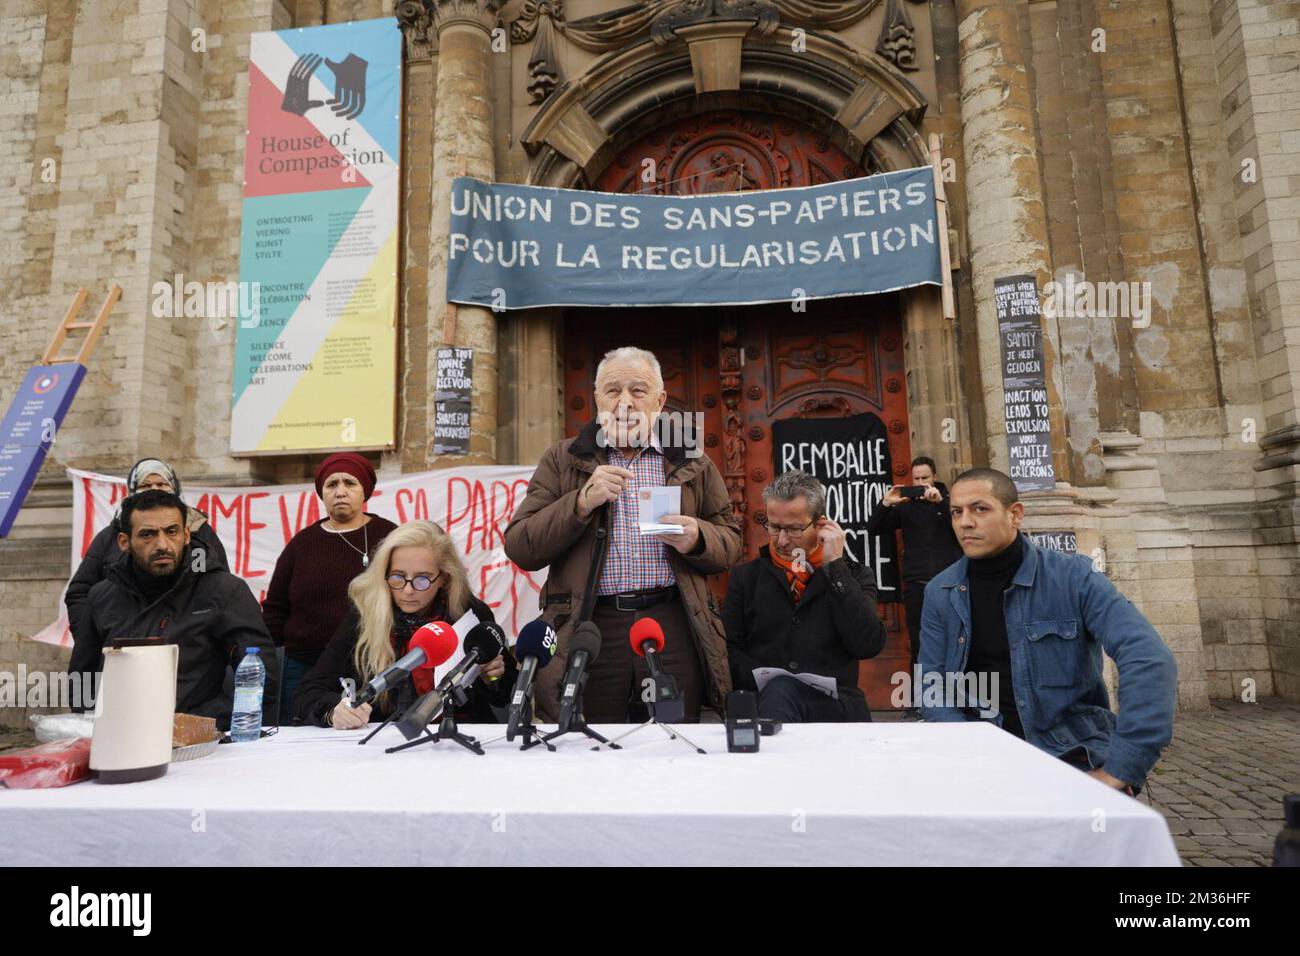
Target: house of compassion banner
pixel 316 346
pixel 515 247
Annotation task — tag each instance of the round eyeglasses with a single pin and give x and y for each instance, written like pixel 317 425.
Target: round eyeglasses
pixel 421 582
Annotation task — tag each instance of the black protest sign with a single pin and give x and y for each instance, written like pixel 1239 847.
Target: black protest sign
pixel 452 401
pixel 1067 541
pixel 850 457
pixel 1029 430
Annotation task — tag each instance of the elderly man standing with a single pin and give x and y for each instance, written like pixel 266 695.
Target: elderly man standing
pixel 579 518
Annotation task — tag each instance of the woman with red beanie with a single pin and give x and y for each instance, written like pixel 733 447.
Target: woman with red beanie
pixel 307 598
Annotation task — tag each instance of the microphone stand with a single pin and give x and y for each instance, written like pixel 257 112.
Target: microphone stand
pixel 661 680
pixel 577 725
pixel 528 729
pixel 395 716
pixel 672 732
pixel 579 722
pixel 447 729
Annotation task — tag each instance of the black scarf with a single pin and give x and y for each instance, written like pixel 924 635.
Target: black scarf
pixel 404 624
pixel 154 586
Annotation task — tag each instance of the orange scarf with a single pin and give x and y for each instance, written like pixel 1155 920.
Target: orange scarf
pixel 797 577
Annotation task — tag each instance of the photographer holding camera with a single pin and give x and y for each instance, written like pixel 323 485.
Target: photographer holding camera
pixel 929 544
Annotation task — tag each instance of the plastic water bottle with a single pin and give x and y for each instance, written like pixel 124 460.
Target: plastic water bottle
pixel 246 720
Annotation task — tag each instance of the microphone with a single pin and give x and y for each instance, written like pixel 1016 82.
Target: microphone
pixel 430 645
pixel 534 648
pixel 419 714
pixel 483 643
pixel 666 703
pixel 584 648
pixel 494 629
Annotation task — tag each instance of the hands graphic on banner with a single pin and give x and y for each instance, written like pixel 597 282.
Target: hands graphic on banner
pixel 296 98
pixel 349 86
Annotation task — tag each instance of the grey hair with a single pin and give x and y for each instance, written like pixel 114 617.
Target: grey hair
pixel 792 484
pixel 633 353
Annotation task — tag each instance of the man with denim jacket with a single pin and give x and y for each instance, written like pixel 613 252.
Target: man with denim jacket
pixel 1040 620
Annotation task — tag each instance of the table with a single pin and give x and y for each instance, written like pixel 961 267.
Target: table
pixel 858 794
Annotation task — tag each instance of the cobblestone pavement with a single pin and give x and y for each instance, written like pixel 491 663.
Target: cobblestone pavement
pixel 1219 784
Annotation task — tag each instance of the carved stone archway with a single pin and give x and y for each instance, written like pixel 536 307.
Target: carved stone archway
pixel 859 100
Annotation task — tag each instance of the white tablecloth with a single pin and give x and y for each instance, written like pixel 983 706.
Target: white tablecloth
pixel 885 793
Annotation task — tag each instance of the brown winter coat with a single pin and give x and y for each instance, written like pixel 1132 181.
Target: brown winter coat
pixel 547 531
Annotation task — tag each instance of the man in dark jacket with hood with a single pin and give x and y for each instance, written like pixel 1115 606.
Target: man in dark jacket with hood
pixel 147 474
pixel 803 606
pixel 929 545
pixel 158 587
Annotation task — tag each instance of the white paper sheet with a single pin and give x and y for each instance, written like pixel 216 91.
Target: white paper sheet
pixel 461 627
pixel 826 685
pixel 653 503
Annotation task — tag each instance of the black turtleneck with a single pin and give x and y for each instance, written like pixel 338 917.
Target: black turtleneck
pixel 989 651
pixel 154 586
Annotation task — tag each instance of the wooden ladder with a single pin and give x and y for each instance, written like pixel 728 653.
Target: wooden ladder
pixel 93 329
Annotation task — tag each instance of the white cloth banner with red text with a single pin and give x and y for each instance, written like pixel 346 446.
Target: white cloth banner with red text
pixel 473 504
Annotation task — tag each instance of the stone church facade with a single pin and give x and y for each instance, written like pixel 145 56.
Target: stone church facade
pixel 1146 144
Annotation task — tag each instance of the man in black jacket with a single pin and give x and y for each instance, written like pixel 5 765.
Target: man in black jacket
pixel 157 587
pixel 802 606
pixel 929 544
pixel 147 474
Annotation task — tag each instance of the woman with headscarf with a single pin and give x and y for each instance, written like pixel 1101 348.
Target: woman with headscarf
pixel 147 474
pixel 416 577
pixel 307 598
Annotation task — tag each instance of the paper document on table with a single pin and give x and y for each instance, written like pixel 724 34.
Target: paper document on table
pixel 461 627
pixel 653 503
pixel 826 685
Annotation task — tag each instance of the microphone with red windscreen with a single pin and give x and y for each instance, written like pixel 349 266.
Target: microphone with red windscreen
pixel 429 646
pixel 658 691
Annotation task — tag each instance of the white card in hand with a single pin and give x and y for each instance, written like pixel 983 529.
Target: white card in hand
pixel 651 506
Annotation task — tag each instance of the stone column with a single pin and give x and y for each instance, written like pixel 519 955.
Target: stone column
pixel 531 384
pixel 1257 45
pixel 462 146
pixel 1006 217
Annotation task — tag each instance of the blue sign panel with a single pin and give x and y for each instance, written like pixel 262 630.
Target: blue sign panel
pixel 516 247
pixel 28 430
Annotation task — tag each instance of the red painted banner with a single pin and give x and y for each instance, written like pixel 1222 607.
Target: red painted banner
pixel 472 504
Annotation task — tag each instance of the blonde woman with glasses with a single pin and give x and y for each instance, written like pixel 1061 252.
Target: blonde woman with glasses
pixel 416 577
